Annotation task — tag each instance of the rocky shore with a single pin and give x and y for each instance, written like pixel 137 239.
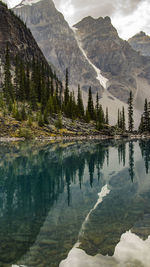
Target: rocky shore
pixel 12 130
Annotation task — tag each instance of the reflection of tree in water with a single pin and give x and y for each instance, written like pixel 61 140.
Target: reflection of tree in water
pixel 122 153
pixel 97 159
pixel 131 160
pixel 145 151
pixel 31 180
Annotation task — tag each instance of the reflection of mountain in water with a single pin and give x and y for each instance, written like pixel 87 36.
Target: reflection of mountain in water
pixel 127 206
pixel 46 192
pixel 31 179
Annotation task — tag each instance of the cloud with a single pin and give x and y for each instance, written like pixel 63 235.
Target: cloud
pixel 131 23
pixel 11 3
pixel 128 16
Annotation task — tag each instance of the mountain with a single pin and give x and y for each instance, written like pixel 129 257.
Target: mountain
pixel 141 42
pixel 124 67
pixel 110 53
pixel 58 43
pixel 94 53
pixel 19 39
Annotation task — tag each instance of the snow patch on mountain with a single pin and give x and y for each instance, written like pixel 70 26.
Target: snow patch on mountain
pixel 108 100
pixel 103 81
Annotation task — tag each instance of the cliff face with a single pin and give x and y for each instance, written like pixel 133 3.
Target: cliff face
pixel 19 39
pixel 141 43
pixel 56 40
pixel 111 54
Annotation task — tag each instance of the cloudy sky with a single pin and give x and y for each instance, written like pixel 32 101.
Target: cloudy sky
pixel 128 16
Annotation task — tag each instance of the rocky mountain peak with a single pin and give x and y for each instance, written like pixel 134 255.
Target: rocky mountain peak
pixel 58 43
pixel 93 25
pixel 141 43
pixel 140 34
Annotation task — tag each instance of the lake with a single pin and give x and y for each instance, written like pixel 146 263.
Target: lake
pixel 77 204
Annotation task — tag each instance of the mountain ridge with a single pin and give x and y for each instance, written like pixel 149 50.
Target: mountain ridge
pixel 57 41
pixel 141 43
pixel 102 50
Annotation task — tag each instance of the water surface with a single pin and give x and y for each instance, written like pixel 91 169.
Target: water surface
pixel 72 204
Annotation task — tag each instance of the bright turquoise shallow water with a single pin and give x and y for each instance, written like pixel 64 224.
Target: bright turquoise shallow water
pixel 47 190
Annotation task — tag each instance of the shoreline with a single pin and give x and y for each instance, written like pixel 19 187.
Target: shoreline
pixel 75 138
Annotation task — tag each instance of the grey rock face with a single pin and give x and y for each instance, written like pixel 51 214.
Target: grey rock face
pixel 115 57
pixel 56 40
pixel 18 38
pixel 141 43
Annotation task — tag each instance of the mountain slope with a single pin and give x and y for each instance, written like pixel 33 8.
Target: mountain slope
pixel 19 39
pixel 141 42
pixel 58 43
pixel 109 53
pixel 94 54
pixel 124 68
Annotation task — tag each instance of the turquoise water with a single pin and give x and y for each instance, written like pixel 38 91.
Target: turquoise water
pixel 47 191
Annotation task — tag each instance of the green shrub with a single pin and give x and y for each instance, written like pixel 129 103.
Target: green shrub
pixel 26 133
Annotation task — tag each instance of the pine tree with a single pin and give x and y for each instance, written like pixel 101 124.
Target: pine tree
pixel 27 83
pixel 21 81
pixel 87 116
pixel 45 118
pixel 100 118
pixel 66 94
pixel 107 119
pixel 123 120
pixel 118 121
pixel 33 97
pixel 80 106
pixel 59 121
pixel 141 126
pixel 146 117
pixel 23 113
pixel 50 105
pixel 16 79
pixel 97 103
pixel 40 120
pixel 90 105
pixel 130 113
pixel 149 116
pixel 8 87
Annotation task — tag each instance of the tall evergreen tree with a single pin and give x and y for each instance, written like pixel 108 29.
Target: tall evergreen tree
pixel 97 103
pixel 123 120
pixel 118 121
pixel 146 116
pixel 149 116
pixel 80 106
pixel 8 87
pixel 107 119
pixel 130 113
pixel 66 94
pixel 100 118
pixel 141 126
pixel 90 105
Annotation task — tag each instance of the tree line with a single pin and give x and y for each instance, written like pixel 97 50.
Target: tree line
pixel 34 87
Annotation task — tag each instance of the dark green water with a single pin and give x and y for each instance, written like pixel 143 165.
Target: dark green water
pixel 47 190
